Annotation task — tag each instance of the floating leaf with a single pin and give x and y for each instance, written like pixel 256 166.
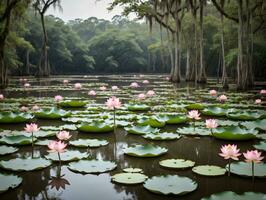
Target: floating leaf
pixel 53 113
pixel 132 170
pixel 152 121
pixel 69 155
pixel 170 184
pixel 141 130
pixel 137 107
pixel 145 151
pixel 214 111
pixel 9 182
pixel 209 170
pixel 234 133
pixel 234 196
pixel 176 119
pixel 42 142
pixel 177 163
pixel 38 134
pixel 16 140
pixel 96 127
pixel 92 166
pixel 129 178
pixel 195 106
pixel 88 143
pixel 162 136
pixel 261 146
pixel 191 131
pixel 72 103
pixel 245 169
pixel 7 150
pixel 12 117
pixel 258 124
pixel 243 115
pixel 25 164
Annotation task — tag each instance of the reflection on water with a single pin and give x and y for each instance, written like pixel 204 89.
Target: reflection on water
pixel 57 182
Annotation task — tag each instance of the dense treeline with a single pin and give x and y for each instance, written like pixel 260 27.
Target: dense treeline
pixel 192 39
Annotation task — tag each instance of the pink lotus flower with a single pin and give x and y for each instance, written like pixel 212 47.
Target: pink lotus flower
pixel 194 114
pixel 26 85
pixel 24 109
pixel 211 123
pixel 113 103
pixel 167 78
pixel 150 93
pixel 77 86
pixel 55 146
pixel 115 87
pixel 92 93
pixel 263 92
pixel 258 101
pixel 30 128
pixel 58 98
pixel 103 88
pixel 141 96
pixel 63 135
pixel 146 82
pixel 213 93
pixel 134 85
pixel 253 156
pixel 35 108
pixel 230 151
pixel 222 98
pixel 2 97
pixel 141 75
pixel 65 81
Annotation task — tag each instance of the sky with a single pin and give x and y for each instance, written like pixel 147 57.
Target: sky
pixel 84 9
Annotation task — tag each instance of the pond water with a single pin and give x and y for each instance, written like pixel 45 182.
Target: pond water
pixel 203 150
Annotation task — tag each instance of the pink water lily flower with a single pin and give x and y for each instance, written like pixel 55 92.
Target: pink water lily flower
pixel 65 81
pixel 58 98
pixel 150 93
pixel 113 103
pixel 263 92
pixel 55 146
pixel 26 85
pixel 134 85
pixel 103 88
pixel 230 151
pixel 115 87
pixel 63 135
pixel 194 114
pixel 35 108
pixel 2 97
pixel 213 93
pixel 24 109
pixel 167 78
pixel 30 128
pixel 146 82
pixel 211 123
pixel 77 86
pixel 92 93
pixel 141 96
pixel 222 98
pixel 253 156
pixel 258 101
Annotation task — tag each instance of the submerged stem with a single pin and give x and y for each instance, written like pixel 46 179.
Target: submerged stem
pixel 59 159
pixel 229 165
pixel 253 177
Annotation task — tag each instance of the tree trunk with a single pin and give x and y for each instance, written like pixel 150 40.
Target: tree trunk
pixel 28 62
pixel 188 64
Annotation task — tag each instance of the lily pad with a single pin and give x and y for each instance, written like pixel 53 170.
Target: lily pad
pixel 258 124
pixel 7 150
pixel 234 196
pixel 234 133
pixel 42 142
pixel 16 140
pixel 96 127
pixel 191 131
pixel 39 134
pixel 243 115
pixel 261 146
pixel 92 166
pixel 209 170
pixel 69 155
pixel 152 121
pixel 177 163
pixel 170 184
pixel 72 103
pixel 245 169
pixel 88 143
pixel 137 107
pixel 9 182
pixel 145 151
pixel 214 111
pixel 132 170
pixel 53 113
pixel 12 117
pixel 129 178
pixel 141 130
pixel 176 119
pixel 162 136
pixel 195 106
pixel 25 164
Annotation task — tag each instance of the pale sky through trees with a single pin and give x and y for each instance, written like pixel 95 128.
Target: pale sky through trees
pixel 84 9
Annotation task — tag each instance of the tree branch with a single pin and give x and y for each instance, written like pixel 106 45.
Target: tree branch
pixel 223 12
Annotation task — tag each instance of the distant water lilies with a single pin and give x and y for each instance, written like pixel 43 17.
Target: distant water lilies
pixel 263 92
pixel 194 115
pixel 222 98
pixel 113 103
pixel 27 85
pixel 24 109
pixel 115 88
pixel 252 157
pixel 103 88
pixel 63 135
pixel 141 96
pixel 35 108
pixel 134 85
pixel 2 97
pixel 211 124
pixel 258 101
pixel 77 86
pixel 150 93
pixel 92 93
pixel 146 82
pixel 65 81
pixel 213 93
pixel 58 98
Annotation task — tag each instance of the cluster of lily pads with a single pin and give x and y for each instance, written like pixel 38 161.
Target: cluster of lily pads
pixel 235 116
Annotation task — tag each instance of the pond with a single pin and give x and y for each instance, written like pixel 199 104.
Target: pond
pixel 140 124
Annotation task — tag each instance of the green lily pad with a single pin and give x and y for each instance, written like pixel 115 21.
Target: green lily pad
pixel 176 119
pixel 245 169
pixel 69 155
pixel 53 113
pixel 162 136
pixel 92 166
pixel 170 185
pixel 214 111
pixel 194 132
pixel 234 196
pixel 262 136
pixel 25 164
pixel 209 170
pixel 96 127
pixel 7 150
pixel 42 142
pixel 137 107
pixel 16 140
pixel 38 134
pixel 129 178
pixel 70 127
pixel 195 106
pixel 12 117
pixel 261 146
pixel 9 182
pixel 145 151
pixel 132 170
pixel 258 124
pixel 234 133
pixel 50 128
pixel 243 115
pixel 88 143
pixel 152 121
pixel 72 103
pixel 177 163
pixel 141 130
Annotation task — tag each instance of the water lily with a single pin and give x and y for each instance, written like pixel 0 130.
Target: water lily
pixel 57 146
pixel 112 104
pixel 258 101
pixel 35 108
pixel 230 152
pixel 141 96
pixel 24 109
pixel 31 128
pixel 150 93
pixel 194 115
pixel 211 124
pixel 253 156
pixel 77 86
pixel 63 135
pixel 2 97
pixel 103 88
pixel 65 81
pixel 222 98
pixel 134 85
pixel 92 93
pixel 146 82
pixel 26 85
pixel 263 92
pixel 115 87
pixel 58 98
pixel 167 78
pixel 213 93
